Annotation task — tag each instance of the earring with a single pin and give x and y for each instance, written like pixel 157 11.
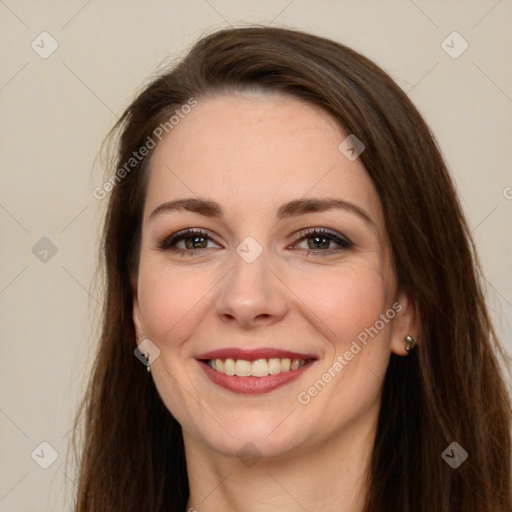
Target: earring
pixel 148 367
pixel 409 343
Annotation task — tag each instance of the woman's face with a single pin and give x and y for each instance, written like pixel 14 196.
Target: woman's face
pixel 244 291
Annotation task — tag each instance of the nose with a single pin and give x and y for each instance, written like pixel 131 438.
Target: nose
pixel 251 294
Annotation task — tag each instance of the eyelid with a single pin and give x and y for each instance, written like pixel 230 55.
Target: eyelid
pixel 344 243
pixel 303 233
pixel 166 242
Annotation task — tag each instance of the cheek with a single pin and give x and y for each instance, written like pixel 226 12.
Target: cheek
pixel 346 300
pixel 170 299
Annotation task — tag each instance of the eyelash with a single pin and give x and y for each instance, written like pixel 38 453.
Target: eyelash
pixel 168 244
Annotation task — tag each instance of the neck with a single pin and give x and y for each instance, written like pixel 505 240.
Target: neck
pixel 329 477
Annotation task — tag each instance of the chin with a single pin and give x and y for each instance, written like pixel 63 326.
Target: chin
pixel 249 442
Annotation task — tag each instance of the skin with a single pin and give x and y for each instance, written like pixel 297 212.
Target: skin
pixel 251 153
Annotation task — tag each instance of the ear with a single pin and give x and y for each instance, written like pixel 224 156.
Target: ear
pixel 406 322
pixel 136 312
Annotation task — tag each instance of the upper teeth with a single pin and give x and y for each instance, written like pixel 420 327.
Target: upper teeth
pixel 258 368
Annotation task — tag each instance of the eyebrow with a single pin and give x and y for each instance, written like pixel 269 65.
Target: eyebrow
pixel 294 208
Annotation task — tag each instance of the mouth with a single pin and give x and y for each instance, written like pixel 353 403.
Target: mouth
pixel 254 371
pixel 259 368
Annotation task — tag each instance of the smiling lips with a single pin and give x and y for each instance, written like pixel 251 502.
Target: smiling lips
pixel 253 371
pixel 257 368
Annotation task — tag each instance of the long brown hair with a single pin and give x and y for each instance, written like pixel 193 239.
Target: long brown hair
pixel 451 388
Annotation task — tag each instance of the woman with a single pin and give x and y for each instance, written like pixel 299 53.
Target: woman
pixel 287 256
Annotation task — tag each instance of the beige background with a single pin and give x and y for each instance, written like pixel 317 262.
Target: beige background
pixel 56 111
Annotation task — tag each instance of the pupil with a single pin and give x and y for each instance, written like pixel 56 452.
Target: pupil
pixel 190 242
pixel 318 238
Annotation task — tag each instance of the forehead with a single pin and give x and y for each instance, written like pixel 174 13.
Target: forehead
pixel 254 152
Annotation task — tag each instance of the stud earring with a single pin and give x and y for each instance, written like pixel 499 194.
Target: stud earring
pixel 409 343
pixel 148 367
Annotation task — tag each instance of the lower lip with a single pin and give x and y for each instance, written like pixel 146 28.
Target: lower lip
pixel 253 385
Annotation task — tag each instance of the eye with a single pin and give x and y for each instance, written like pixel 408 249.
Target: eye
pixel 321 238
pixel 194 239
